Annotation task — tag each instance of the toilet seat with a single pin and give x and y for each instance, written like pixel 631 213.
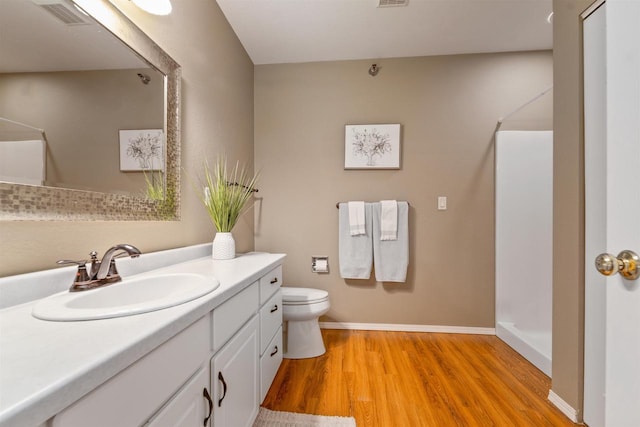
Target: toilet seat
pixel 303 296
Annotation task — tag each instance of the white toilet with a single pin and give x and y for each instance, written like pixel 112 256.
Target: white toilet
pixel 301 308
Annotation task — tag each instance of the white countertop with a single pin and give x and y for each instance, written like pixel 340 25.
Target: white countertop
pixel 46 366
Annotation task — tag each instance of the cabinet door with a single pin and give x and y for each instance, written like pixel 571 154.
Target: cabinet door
pixel 189 407
pixel 135 394
pixel 234 379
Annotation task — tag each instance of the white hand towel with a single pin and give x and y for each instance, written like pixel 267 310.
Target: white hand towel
pixel 391 257
pixel 356 218
pixel 388 220
pixel 355 253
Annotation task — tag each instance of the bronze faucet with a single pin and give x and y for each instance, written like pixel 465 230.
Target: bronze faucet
pixel 103 272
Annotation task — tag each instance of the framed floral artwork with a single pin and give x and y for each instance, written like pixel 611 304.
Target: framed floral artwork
pixel 372 146
pixel 141 149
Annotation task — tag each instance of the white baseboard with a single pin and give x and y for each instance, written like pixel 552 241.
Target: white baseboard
pixel 564 407
pixel 408 328
pixel 532 348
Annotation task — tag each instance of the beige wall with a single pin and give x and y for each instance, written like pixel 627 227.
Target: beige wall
pixel 568 215
pixel 217 116
pixel 81 113
pixel 448 107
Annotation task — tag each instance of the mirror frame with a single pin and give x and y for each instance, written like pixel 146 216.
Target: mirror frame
pixel 31 202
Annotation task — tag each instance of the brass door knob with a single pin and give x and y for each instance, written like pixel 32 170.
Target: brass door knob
pixel 627 263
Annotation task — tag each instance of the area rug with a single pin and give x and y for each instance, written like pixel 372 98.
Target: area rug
pixel 268 418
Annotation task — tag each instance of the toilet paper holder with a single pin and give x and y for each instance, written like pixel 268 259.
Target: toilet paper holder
pixel 320 264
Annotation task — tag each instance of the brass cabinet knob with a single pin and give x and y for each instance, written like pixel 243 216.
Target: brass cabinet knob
pixel 627 263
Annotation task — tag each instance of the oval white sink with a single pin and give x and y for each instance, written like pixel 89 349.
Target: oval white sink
pixel 129 297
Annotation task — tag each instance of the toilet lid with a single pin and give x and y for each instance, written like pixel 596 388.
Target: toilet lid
pixel 302 295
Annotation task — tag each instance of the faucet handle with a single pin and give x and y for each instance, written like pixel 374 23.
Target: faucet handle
pixel 82 275
pixel 68 261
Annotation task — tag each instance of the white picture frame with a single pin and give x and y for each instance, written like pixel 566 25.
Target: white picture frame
pixel 373 146
pixel 141 150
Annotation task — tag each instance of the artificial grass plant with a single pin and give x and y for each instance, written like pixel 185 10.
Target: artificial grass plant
pixel 226 193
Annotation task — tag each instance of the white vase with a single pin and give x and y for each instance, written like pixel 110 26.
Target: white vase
pixel 224 246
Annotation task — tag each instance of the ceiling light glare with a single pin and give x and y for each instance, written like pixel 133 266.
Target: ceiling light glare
pixel 155 7
pixel 550 18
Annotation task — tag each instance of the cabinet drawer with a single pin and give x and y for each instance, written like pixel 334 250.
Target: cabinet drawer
pixel 231 315
pixel 269 363
pixel 270 319
pixel 270 283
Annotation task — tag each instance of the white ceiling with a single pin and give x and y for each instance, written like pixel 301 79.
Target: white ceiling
pixel 285 31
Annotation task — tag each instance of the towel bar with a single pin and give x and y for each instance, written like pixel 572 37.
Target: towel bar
pixel 338 204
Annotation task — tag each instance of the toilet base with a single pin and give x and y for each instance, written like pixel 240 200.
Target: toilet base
pixel 303 339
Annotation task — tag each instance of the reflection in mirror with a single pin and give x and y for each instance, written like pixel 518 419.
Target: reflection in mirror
pixel 82 109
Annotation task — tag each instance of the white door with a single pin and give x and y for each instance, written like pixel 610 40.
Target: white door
pixel 612 212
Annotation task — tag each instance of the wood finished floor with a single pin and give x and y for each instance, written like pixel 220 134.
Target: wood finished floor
pixel 398 379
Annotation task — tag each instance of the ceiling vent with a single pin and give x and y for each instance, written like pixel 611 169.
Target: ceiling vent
pixel 63 11
pixel 392 3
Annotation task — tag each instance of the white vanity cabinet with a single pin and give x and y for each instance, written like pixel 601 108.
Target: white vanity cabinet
pixel 150 369
pixel 216 372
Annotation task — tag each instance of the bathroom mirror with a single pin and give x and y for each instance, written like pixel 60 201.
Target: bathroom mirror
pixel 130 93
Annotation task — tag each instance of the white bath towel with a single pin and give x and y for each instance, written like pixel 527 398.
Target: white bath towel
pixel 23 162
pixel 391 257
pixel 356 218
pixel 355 253
pixel 388 220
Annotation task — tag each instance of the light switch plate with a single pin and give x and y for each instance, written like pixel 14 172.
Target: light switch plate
pixel 442 203
pixel 320 264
